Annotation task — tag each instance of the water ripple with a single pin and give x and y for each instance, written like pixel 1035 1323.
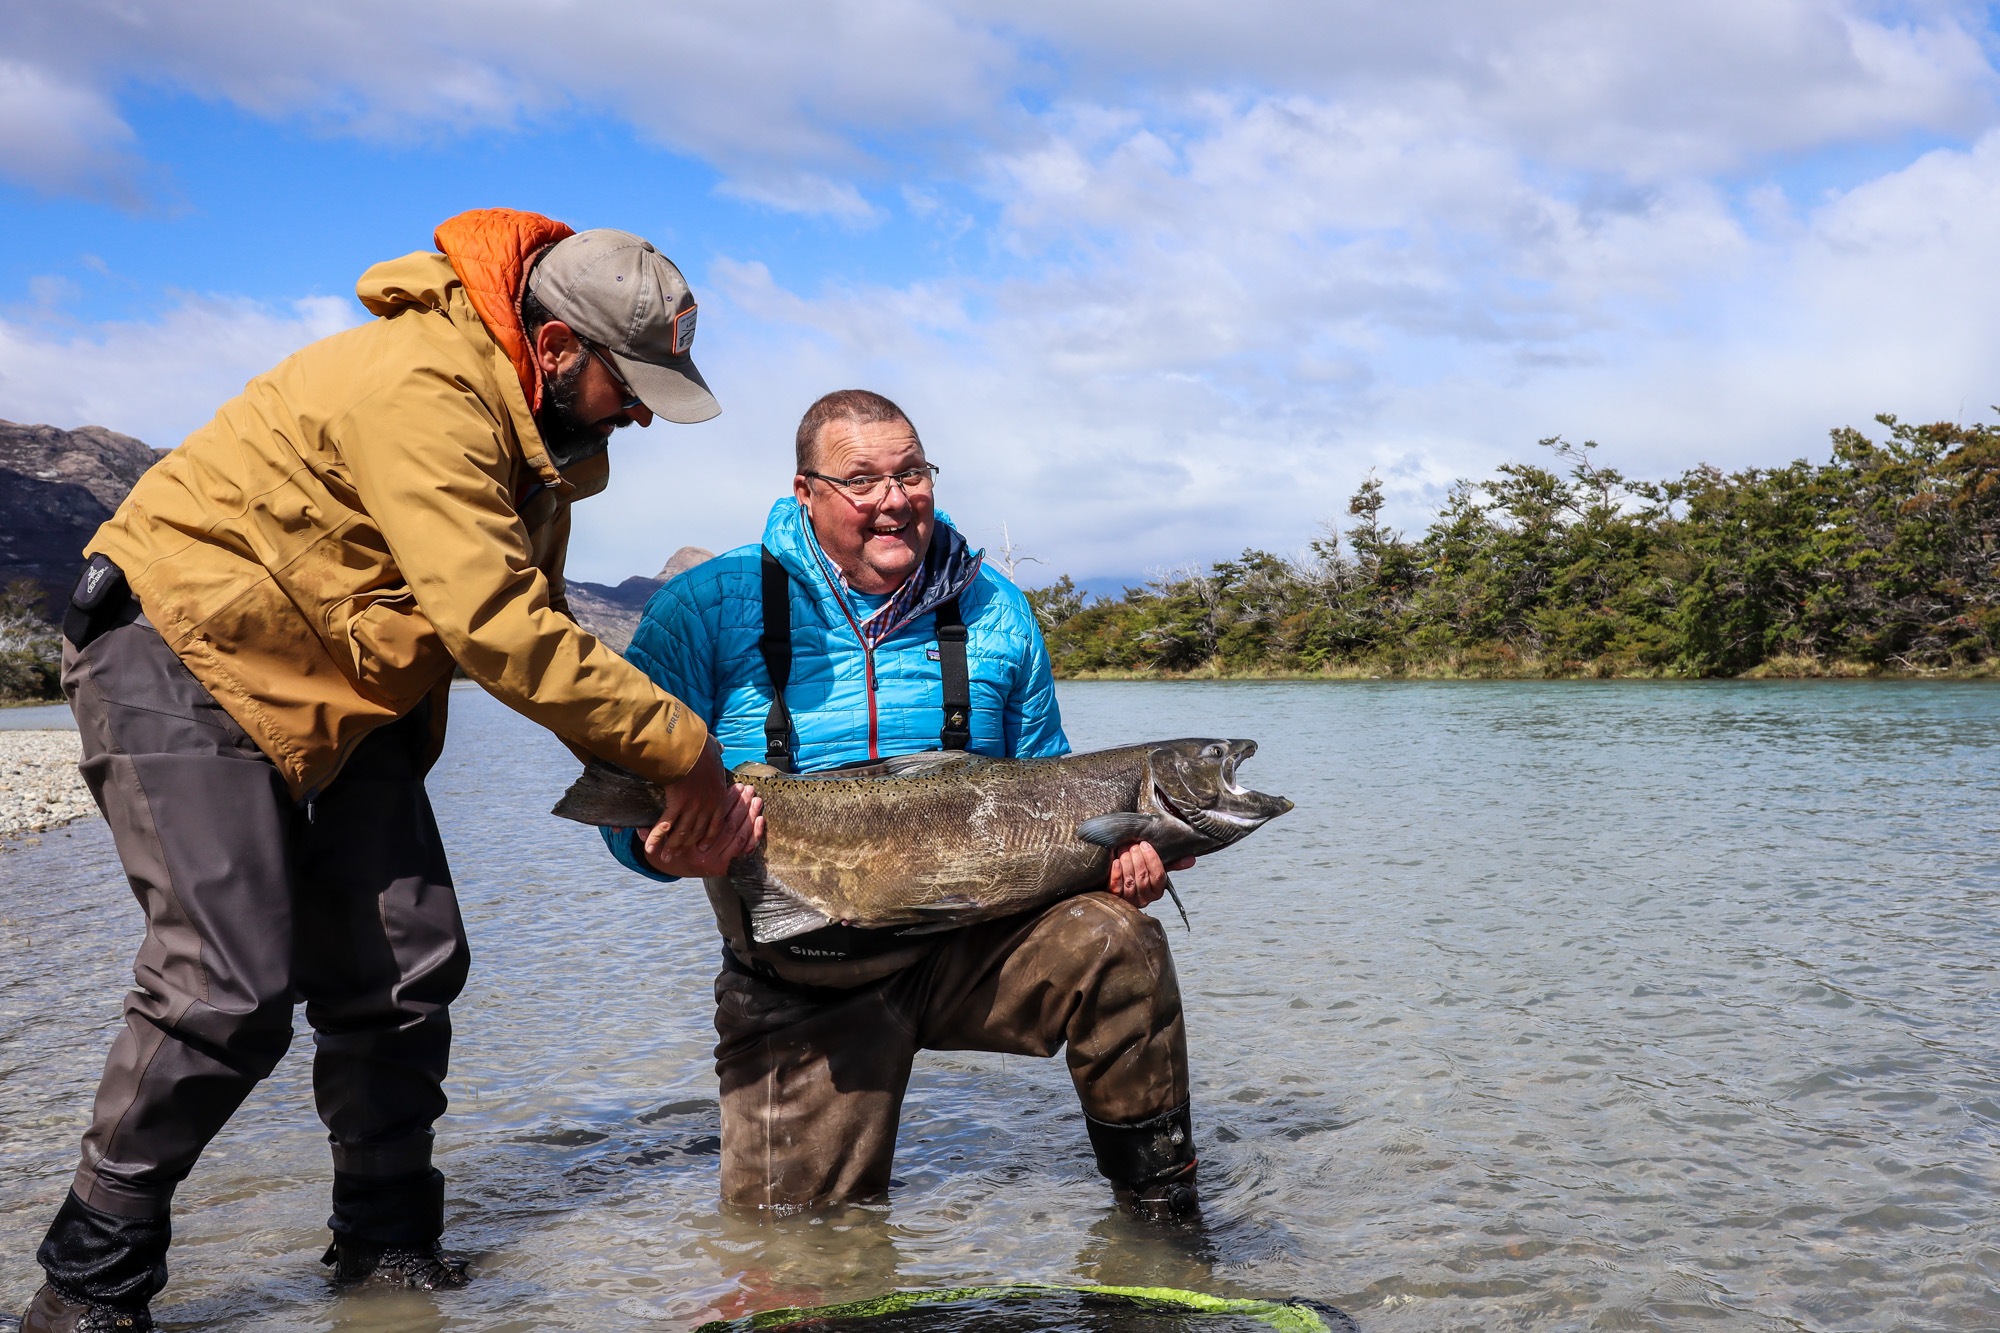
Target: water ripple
pixel 1601 1005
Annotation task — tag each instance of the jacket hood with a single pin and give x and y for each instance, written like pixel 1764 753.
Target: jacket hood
pixel 418 281
pixel 948 569
pixel 491 250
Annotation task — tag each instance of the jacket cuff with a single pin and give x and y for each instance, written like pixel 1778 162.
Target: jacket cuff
pixel 625 845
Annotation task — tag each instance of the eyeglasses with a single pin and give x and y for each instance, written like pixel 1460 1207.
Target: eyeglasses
pixel 875 485
pixel 632 401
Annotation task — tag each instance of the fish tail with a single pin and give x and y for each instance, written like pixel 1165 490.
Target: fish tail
pixel 611 797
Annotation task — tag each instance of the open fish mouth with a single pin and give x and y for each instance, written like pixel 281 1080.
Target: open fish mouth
pixel 1166 804
pixel 1238 752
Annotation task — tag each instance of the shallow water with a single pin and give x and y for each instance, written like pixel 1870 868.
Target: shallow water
pixel 37 717
pixel 1617 1005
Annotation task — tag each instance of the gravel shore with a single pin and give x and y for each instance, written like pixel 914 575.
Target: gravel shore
pixel 39 785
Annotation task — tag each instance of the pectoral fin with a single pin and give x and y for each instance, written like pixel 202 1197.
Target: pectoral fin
pixel 1175 894
pixel 1120 827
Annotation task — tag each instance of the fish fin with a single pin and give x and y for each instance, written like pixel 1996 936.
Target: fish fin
pixel 611 797
pixel 1168 884
pixel 776 915
pixel 952 910
pixel 756 768
pixel 1117 828
pixel 772 912
pixel 898 765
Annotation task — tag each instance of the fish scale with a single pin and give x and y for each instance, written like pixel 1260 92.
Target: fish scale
pixel 942 839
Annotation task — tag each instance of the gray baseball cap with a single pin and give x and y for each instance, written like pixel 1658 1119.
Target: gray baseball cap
pixel 615 290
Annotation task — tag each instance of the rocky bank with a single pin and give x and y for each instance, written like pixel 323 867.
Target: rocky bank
pixel 39 784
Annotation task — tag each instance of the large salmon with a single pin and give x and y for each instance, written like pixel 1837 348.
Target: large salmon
pixel 941 839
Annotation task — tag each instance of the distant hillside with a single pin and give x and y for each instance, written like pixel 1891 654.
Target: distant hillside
pixel 612 614
pixel 56 486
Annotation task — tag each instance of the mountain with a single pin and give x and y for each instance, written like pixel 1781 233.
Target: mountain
pixel 56 486
pixel 612 614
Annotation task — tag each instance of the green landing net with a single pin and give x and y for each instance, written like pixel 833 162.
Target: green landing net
pixel 1028 1308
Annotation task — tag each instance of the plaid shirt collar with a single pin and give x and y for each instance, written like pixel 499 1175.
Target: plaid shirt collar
pixel 948 569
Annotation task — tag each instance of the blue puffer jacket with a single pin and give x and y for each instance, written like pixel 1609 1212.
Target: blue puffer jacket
pixel 698 641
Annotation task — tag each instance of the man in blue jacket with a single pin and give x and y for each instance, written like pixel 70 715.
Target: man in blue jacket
pixel 895 639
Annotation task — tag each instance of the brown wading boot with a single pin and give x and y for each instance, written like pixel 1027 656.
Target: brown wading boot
pixel 54 1312
pixel 1151 1165
pixel 103 1271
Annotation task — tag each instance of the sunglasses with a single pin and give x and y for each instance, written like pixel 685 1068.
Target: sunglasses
pixel 632 401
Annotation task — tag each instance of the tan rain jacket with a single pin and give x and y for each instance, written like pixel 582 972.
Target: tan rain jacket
pixel 377 507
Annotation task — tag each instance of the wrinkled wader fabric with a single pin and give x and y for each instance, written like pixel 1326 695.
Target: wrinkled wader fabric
pixel 813 1079
pixel 253 903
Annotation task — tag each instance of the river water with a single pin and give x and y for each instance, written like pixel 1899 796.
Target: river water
pixel 1608 1005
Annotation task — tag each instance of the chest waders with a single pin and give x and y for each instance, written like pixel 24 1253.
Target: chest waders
pixel 839 942
pixel 1150 1163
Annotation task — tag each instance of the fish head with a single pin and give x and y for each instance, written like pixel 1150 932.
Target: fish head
pixel 1193 783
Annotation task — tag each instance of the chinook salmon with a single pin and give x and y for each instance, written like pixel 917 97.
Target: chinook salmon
pixel 938 840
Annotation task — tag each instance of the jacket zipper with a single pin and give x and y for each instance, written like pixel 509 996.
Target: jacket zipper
pixel 868 661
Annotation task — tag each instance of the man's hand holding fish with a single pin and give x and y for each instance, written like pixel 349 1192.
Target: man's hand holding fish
pixel 708 840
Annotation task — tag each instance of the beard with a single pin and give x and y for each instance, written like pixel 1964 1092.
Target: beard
pixel 568 437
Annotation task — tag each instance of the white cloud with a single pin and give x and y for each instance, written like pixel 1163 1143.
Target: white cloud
pixel 1235 255
pixel 1640 90
pixel 62 137
pixel 772 91
pixel 156 379
pixel 1220 373
pixel 776 94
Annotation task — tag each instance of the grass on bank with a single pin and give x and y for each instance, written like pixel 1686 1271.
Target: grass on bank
pixel 1782 668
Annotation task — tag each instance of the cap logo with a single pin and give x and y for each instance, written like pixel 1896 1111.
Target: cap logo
pixel 684 330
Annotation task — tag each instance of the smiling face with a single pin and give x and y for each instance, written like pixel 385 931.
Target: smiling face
pixel 876 543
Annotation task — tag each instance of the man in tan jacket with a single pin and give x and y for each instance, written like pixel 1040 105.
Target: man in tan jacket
pixel 259 653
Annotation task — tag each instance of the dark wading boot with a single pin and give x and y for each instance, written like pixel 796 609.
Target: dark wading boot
pixel 1150 1165
pixel 53 1312
pixel 414 1267
pixel 385 1233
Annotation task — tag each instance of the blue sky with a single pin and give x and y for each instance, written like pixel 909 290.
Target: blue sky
pixel 1157 281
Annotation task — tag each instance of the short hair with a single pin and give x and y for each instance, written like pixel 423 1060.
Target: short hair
pixel 533 314
pixel 859 406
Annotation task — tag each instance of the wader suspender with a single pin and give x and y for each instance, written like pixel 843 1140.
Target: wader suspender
pixel 957 733
pixel 775 643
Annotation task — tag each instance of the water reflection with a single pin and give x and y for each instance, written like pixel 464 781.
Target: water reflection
pixel 1595 1005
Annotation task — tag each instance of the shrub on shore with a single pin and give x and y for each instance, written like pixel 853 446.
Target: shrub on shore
pixel 1884 558
pixel 30 647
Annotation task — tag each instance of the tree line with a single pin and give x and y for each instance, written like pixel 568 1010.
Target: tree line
pixel 1885 557
pixel 1882 558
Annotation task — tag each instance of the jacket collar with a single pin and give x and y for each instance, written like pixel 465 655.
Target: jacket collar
pixel 949 568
